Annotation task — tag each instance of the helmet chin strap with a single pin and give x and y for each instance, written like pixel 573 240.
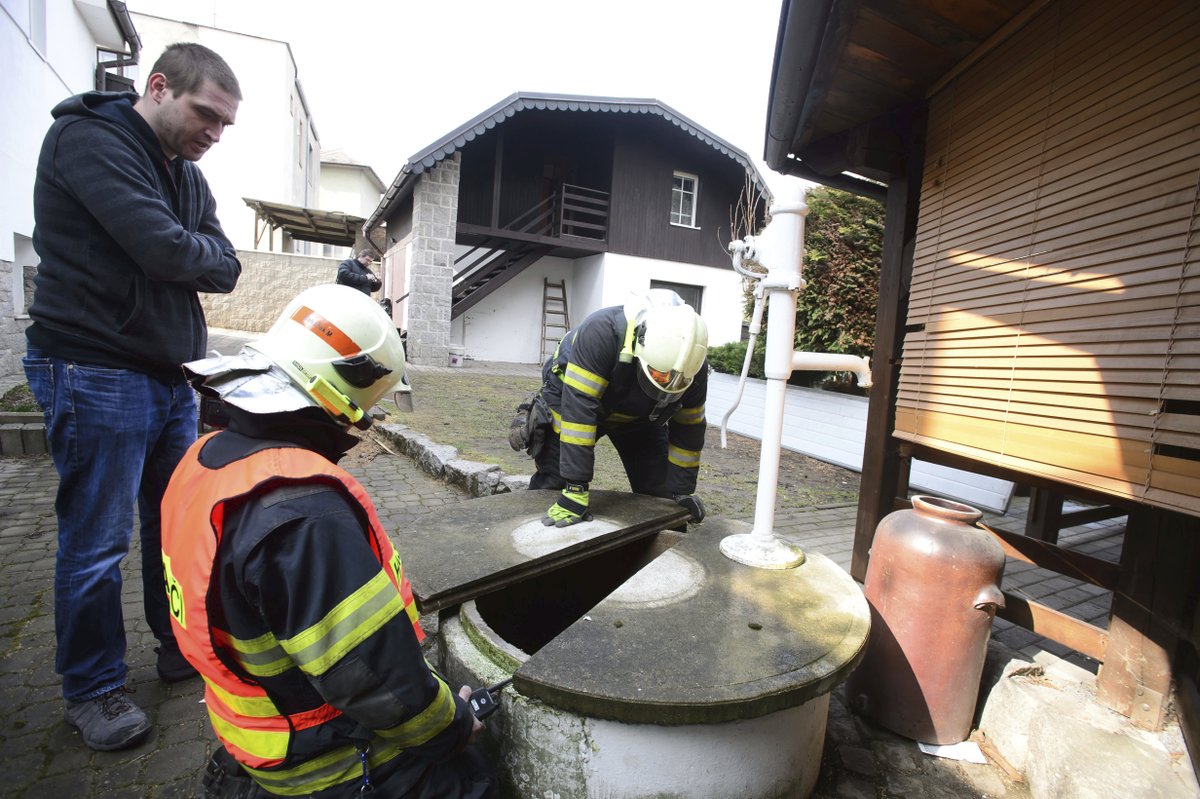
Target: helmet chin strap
pixel 337 404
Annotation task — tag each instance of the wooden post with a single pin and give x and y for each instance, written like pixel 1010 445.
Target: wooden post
pixel 883 469
pixel 1044 519
pixel 497 173
pixel 1155 593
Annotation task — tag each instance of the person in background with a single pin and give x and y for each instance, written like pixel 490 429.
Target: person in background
pixel 356 273
pixel 286 592
pixel 127 231
pixel 639 374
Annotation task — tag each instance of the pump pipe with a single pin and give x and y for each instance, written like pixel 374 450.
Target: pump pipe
pixel 780 249
pixel 755 329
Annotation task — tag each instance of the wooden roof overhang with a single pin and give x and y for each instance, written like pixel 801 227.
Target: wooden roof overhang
pixel 851 82
pixel 306 224
pixel 849 73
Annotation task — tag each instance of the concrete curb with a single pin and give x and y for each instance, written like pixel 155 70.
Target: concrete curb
pixel 22 434
pixel 442 461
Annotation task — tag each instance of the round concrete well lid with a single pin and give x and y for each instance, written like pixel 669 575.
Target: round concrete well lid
pixel 698 638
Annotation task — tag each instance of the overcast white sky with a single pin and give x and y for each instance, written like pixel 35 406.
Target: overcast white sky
pixel 386 78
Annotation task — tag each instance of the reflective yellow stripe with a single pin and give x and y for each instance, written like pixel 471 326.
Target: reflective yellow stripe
pixel 583 435
pixel 261 656
pixel 255 706
pixel 584 381
pixel 267 744
pixel 620 418
pixel 689 415
pixel 337 767
pixel 687 458
pixel 351 622
pixel 426 724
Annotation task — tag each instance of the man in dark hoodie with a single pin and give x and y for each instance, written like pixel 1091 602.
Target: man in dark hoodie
pixel 356 273
pixel 127 231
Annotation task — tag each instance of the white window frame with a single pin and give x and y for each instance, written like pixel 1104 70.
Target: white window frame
pixel 677 217
pixel 25 262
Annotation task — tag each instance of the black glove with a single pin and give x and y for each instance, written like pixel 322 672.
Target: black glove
pixel 692 504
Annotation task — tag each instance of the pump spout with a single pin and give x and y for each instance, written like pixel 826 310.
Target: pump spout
pixel 834 362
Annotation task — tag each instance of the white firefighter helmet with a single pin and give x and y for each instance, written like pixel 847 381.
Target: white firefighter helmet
pixel 670 344
pixel 332 347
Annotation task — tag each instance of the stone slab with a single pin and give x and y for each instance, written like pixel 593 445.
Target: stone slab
pixel 697 638
pixel 459 552
pixel 1068 747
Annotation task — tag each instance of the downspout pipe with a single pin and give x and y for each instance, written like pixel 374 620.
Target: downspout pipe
pixel 779 249
pixel 120 15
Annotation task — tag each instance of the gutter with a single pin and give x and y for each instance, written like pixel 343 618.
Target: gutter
pixel 802 28
pixel 120 15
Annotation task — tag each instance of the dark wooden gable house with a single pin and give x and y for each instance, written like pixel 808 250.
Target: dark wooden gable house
pixel 545 201
pixel 1040 296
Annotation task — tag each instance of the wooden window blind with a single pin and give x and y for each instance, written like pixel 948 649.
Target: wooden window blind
pixel 1054 313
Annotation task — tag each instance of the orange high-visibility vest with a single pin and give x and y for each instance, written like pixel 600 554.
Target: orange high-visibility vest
pixel 242 714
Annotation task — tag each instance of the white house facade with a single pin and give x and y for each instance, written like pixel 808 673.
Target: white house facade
pixel 49 50
pixel 272 152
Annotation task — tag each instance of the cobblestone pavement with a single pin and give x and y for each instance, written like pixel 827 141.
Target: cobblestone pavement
pixel 41 756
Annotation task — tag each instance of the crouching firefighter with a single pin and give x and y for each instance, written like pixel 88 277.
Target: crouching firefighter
pixel 638 374
pixel 285 591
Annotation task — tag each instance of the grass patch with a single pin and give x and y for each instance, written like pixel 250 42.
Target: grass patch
pixel 19 399
pixel 472 414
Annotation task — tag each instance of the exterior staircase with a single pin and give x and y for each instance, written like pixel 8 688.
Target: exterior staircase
pixel 571 212
pixel 483 269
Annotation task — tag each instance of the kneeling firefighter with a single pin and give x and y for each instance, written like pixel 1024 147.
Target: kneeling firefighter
pixel 638 374
pixel 286 593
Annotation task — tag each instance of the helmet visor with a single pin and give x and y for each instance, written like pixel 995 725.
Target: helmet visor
pixel 661 385
pixel 671 381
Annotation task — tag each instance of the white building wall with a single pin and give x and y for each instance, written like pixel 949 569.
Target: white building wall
pixel 721 303
pixel 45 59
pixel 38 78
pixel 586 293
pixel 348 189
pixel 272 152
pixel 351 190
pixel 507 325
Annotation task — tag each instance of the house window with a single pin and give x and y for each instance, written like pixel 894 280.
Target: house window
pixel 25 262
pixel 683 199
pixel 689 294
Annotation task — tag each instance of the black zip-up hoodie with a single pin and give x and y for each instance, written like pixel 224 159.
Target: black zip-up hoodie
pixel 127 238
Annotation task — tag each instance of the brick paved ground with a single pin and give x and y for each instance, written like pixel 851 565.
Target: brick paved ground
pixel 41 756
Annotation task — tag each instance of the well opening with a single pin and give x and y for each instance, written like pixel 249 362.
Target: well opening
pixel 531 613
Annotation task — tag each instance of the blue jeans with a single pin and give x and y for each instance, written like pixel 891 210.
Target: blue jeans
pixel 115 436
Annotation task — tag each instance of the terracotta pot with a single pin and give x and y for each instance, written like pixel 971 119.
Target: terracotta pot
pixel 933 586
